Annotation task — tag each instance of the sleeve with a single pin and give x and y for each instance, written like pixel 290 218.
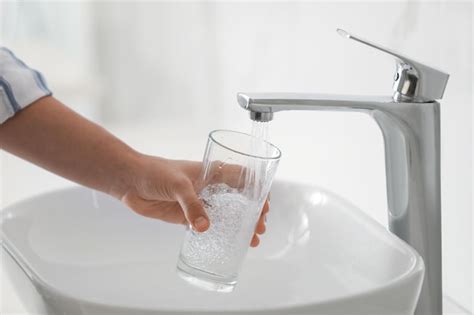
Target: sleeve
pixel 19 85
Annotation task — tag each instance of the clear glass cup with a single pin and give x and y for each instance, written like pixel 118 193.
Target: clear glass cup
pixel 236 177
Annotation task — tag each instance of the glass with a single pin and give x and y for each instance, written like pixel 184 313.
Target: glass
pixel 236 176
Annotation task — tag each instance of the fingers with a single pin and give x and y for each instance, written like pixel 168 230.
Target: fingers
pixel 255 241
pixel 162 210
pixel 192 206
pixel 260 227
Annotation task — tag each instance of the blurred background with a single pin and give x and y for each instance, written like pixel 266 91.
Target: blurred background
pixel 161 75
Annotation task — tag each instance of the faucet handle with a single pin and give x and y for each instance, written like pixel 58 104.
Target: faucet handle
pixel 413 80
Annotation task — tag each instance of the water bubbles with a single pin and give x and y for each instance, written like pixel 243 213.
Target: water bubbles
pixel 221 248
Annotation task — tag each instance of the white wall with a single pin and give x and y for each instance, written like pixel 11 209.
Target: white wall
pixel 175 66
pixel 56 38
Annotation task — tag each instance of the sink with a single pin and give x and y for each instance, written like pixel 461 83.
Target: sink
pixel 76 251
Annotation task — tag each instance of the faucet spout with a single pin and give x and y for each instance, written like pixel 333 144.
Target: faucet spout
pixel 263 104
pixel 411 132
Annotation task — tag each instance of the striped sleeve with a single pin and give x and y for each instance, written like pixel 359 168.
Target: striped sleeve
pixel 19 85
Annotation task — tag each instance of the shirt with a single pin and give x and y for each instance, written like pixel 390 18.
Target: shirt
pixel 19 85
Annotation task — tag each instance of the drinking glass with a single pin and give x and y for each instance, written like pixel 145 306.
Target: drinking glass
pixel 235 180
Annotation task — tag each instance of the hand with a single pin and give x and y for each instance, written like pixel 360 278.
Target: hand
pixel 50 135
pixel 165 189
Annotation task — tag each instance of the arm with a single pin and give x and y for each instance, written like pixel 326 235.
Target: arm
pixel 49 134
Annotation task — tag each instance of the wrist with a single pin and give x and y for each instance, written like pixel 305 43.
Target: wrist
pixel 125 172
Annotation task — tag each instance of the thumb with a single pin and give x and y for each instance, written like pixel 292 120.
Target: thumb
pixel 192 207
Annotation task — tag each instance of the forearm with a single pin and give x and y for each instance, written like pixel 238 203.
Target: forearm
pixel 49 134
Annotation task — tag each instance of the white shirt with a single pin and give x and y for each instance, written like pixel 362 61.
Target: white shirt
pixel 19 85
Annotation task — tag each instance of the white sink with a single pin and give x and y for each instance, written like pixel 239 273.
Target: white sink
pixel 78 252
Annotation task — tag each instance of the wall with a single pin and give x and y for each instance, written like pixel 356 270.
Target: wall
pixel 174 66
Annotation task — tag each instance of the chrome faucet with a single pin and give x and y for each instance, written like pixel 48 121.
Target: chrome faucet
pixel 409 120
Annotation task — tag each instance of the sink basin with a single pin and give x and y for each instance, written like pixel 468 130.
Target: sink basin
pixel 76 251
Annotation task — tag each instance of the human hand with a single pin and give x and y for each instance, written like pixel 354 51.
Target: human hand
pixel 87 154
pixel 166 189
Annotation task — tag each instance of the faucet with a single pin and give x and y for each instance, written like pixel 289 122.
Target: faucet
pixel 410 124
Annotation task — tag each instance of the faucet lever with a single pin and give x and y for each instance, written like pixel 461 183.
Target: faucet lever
pixel 413 81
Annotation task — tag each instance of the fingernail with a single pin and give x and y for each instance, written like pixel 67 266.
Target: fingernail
pixel 200 223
